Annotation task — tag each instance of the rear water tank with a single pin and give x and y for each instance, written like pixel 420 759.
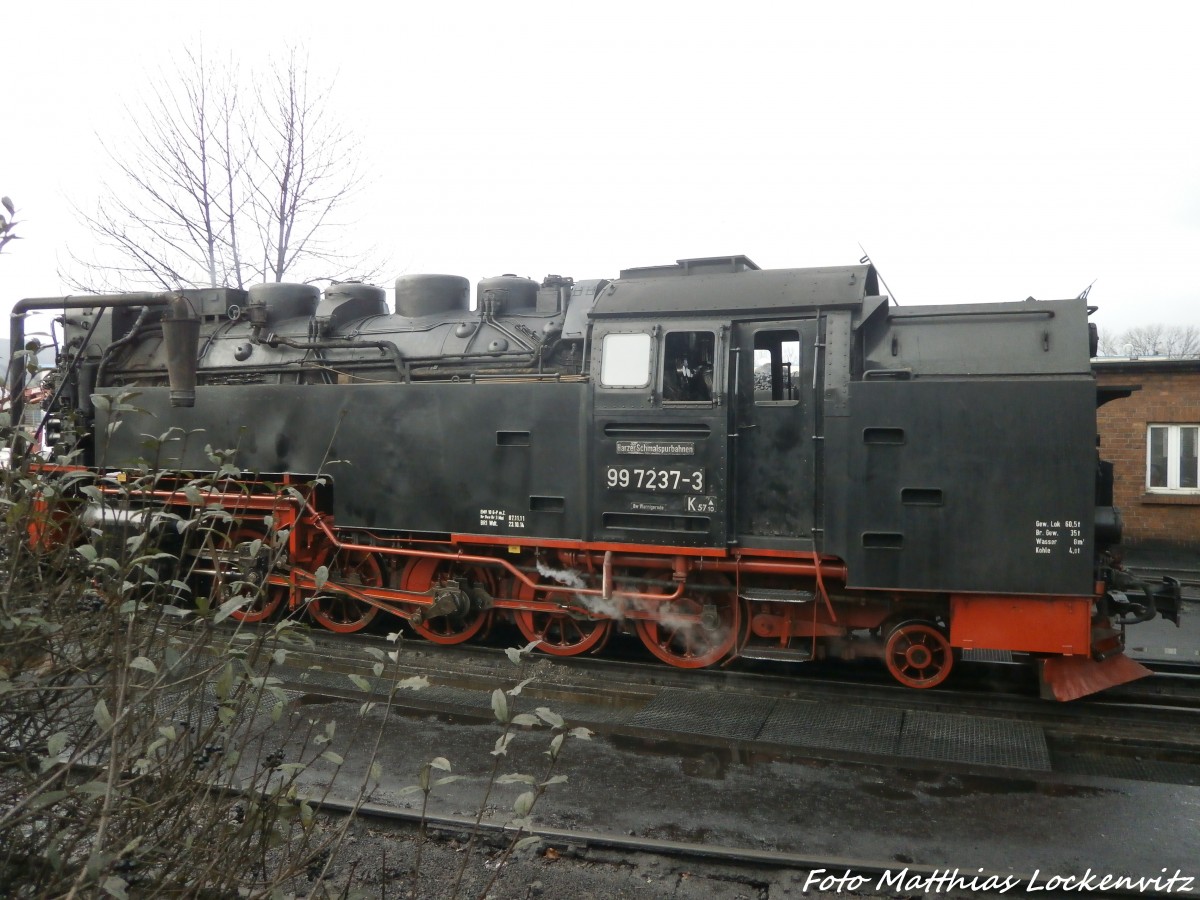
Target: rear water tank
pixel 512 293
pixel 426 295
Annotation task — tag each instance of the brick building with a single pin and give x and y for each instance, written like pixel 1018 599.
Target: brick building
pixel 1151 437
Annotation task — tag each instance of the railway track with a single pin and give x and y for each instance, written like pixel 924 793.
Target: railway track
pixel 1154 722
pixel 978 686
pixel 756 867
pixel 1088 745
pixel 1189 578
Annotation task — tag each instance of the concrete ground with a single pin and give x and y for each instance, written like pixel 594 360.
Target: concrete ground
pixel 1011 823
pixel 920 816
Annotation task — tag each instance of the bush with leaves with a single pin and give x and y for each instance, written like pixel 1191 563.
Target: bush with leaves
pixel 147 744
pixel 7 223
pixel 521 823
pixel 133 724
pixel 133 721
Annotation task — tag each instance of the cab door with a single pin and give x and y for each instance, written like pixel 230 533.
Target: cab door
pixel 659 439
pixel 773 435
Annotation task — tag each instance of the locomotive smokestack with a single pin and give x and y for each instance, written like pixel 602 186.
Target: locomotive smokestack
pixel 181 337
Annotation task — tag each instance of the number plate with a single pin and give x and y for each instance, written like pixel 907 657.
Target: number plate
pixel 656 479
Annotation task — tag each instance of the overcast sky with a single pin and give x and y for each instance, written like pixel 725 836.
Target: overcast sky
pixel 1026 150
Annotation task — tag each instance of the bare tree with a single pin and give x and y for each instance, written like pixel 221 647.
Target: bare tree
pixel 307 165
pixel 224 187
pixel 1173 341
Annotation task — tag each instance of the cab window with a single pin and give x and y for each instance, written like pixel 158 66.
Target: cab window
pixel 625 361
pixel 688 366
pixel 776 366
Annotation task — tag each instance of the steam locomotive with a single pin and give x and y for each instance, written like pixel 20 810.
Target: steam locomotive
pixel 726 461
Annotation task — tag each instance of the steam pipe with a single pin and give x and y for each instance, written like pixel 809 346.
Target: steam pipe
pixel 800 567
pixel 118 344
pixel 387 347
pixel 321 525
pixel 16 367
pixel 75 364
pixel 489 316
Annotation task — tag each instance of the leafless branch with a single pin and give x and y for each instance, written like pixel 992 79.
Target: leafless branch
pixel 1173 341
pixel 223 187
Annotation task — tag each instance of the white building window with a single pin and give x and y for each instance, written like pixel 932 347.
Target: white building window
pixel 1171 459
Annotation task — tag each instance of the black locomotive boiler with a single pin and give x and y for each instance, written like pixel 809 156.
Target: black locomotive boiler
pixel 728 461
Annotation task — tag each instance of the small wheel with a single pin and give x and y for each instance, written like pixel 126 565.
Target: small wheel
pixel 691 644
pixel 420 575
pixel 918 655
pixel 229 574
pixel 560 633
pixel 340 612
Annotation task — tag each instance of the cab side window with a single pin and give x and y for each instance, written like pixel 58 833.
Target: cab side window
pixel 625 362
pixel 688 358
pixel 776 366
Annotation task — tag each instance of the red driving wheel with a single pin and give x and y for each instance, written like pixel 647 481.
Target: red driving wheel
pixel 228 575
pixel 918 654
pixel 338 611
pixel 420 576
pixel 560 633
pixel 709 632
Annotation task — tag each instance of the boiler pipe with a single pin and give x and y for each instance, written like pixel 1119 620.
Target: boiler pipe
pixel 16 367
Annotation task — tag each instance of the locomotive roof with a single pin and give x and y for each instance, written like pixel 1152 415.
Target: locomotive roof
pixel 692 287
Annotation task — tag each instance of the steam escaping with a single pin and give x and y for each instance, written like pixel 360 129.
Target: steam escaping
pixel 568 577
pixel 572 578
pixel 679 631
pixel 597 606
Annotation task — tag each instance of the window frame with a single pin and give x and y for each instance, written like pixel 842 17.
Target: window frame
pixel 792 382
pixel 665 359
pixel 607 354
pixel 1173 441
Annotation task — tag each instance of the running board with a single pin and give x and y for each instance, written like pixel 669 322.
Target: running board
pixel 777 595
pixel 778 654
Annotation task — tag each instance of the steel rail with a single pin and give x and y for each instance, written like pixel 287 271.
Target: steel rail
pixel 974 880
pixel 570 839
pixel 1152 723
